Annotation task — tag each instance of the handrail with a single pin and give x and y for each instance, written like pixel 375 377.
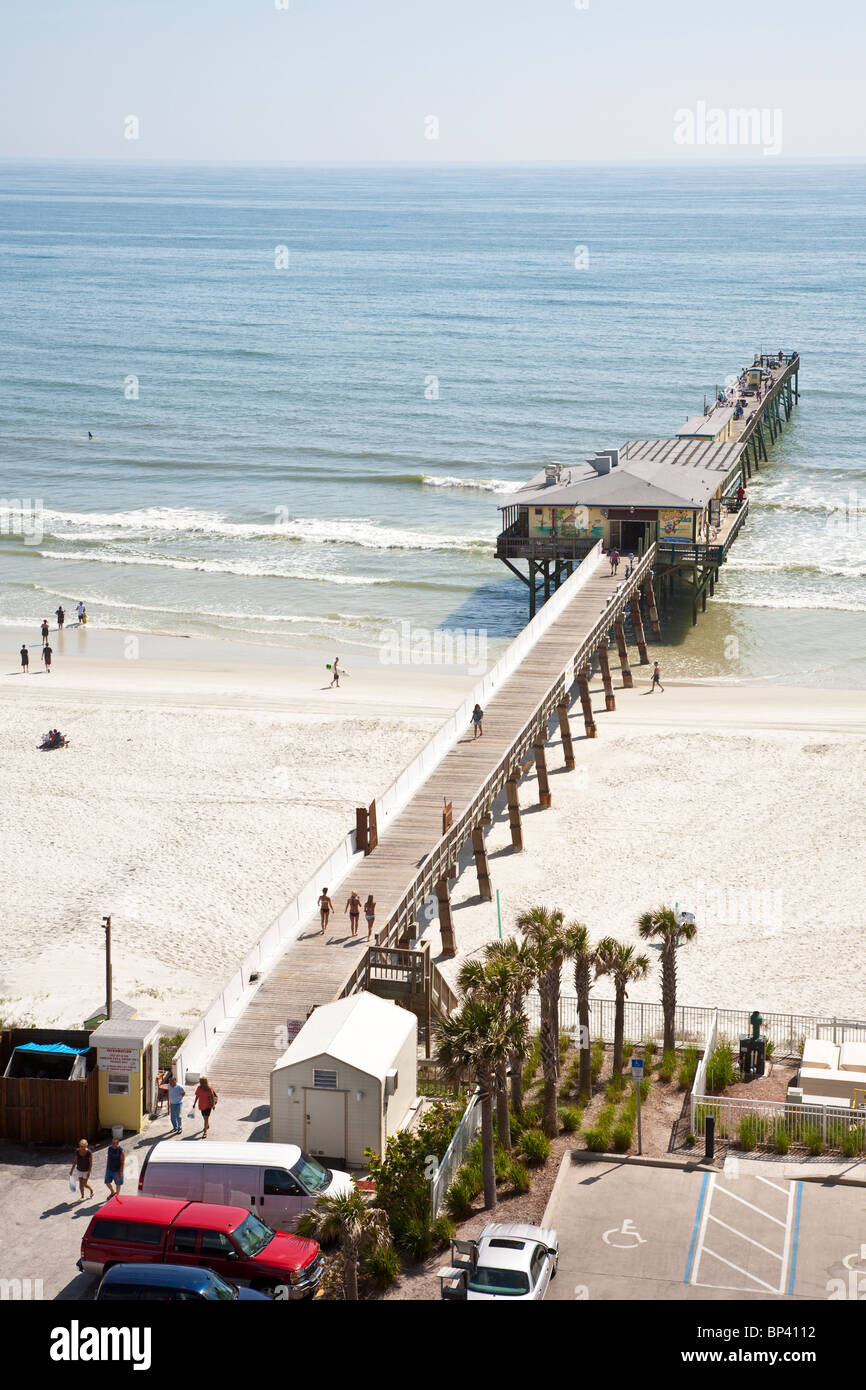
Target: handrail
pixel 444 852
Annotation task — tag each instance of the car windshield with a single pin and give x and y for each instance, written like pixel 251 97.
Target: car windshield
pixel 311 1174
pixel 252 1235
pixel 509 1282
pixel 218 1290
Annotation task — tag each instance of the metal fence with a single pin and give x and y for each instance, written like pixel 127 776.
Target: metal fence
pixel 455 1153
pixel 645 1022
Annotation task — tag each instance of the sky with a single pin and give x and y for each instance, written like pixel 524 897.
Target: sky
pixel 366 81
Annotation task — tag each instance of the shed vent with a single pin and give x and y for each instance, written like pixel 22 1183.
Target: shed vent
pixel 324 1080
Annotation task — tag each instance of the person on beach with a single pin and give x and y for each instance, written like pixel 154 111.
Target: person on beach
pixel 25 660
pixel 335 673
pixel 353 907
pixel 477 723
pixel 82 1167
pixel 205 1098
pixel 176 1094
pixel 61 618
pixel 370 914
pixel 45 631
pixel 326 907
pixel 46 657
pixel 657 679
pixel 89 435
pixel 82 613
pixel 115 1157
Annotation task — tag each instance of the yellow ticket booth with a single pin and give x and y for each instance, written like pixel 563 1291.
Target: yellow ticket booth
pixel 127 1059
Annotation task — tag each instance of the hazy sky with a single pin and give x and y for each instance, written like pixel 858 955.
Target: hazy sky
pixel 356 80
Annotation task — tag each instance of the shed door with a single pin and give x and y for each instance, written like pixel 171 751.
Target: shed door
pixel 325 1123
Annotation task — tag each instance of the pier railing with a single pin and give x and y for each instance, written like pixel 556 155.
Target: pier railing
pixel 443 856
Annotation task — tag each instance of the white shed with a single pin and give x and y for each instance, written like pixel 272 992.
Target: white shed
pixel 348 1079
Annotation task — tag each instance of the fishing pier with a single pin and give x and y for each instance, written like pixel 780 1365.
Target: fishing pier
pixel 677 505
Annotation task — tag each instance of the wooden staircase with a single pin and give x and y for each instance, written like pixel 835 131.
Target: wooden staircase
pixel 409 976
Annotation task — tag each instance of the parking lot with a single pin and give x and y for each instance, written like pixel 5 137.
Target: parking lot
pixel 756 1230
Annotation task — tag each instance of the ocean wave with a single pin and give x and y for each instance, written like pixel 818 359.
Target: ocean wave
pixel 818 602
pixel 248 568
pixel 831 570
pixel 474 484
pixel 842 507
pixel 185 521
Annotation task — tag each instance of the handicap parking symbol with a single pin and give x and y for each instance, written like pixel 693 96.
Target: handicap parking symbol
pixel 630 1236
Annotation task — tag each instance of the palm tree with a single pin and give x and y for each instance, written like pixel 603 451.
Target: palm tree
pixel 479 979
pixel 661 925
pixel 624 964
pixel 477 1038
pixel 545 933
pixel 346 1217
pixel 518 956
pixel 583 956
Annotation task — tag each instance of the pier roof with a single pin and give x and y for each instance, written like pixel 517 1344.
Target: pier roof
pixel 650 473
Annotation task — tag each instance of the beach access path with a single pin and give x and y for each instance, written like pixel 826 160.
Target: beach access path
pixel 313 968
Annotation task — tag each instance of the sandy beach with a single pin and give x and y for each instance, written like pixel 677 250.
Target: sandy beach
pixel 206 781
pixel 743 804
pixel 203 785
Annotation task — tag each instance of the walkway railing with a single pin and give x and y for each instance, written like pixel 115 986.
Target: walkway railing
pixel 455 1153
pixel 645 1022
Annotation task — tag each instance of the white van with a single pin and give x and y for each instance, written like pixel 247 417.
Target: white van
pixel 276 1181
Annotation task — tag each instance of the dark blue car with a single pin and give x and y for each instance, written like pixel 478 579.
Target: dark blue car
pixel 170 1283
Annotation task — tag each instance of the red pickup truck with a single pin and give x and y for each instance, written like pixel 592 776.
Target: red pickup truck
pixel 229 1240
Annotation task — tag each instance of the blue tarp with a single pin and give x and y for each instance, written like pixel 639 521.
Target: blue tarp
pixel 51 1047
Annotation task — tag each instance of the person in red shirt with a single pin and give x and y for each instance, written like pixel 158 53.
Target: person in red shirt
pixel 205 1099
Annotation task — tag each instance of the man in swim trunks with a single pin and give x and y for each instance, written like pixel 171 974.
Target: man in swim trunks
pixel 657 679
pixel 353 907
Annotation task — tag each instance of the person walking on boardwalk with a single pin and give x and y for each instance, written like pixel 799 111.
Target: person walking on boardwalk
pixel 25 660
pixel 205 1098
pixel 326 907
pixel 335 673
pixel 45 631
pixel 176 1094
pixel 61 618
pixel 614 560
pixel 477 723
pixel 115 1157
pixel 353 907
pixel 82 1167
pixel 370 914
pixel 657 679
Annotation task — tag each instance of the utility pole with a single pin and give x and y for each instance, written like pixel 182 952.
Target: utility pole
pixel 106 923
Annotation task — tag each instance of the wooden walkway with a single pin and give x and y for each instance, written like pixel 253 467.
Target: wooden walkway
pixel 314 969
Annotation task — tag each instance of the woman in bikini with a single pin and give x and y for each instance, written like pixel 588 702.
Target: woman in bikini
pixel 353 907
pixel 370 914
pixel 326 907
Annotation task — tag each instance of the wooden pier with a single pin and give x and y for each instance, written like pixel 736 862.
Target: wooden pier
pixel 416 857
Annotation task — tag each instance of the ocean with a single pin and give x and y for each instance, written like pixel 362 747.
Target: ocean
pixel 310 390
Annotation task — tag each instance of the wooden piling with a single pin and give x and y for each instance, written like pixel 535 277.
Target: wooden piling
pixel 637 628
pixel 604 664
pixel 446 923
pixel 652 608
pixel 565 730
pixel 541 770
pixel 586 702
pixel 622 648
pixel 514 813
pixel 482 866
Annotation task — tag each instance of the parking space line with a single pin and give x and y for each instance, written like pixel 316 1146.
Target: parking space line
pixel 769 1182
pixel 744 1272
pixel 695 1227
pixel 743 1236
pixel 702 1234
pixel 795 1239
pixel 759 1210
